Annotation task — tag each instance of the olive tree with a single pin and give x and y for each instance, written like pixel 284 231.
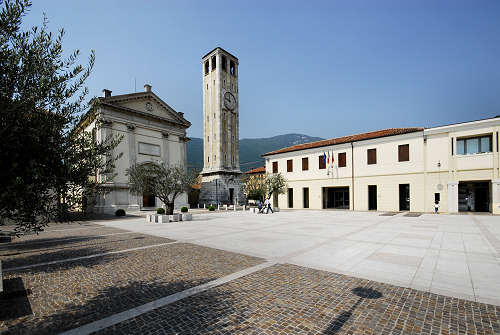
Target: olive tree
pixel 258 188
pixel 46 161
pixel 165 182
pixel 275 183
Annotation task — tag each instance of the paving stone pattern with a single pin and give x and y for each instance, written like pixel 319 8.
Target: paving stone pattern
pixel 288 299
pixel 48 248
pixel 67 295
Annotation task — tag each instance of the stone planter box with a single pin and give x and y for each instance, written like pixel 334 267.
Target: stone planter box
pixel 174 217
pixel 157 218
pixel 162 218
pixel 276 209
pixel 187 217
pixel 151 218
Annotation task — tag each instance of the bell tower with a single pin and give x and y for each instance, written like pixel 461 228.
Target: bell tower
pixel 221 165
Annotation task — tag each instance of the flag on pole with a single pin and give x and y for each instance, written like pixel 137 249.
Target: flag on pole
pixel 333 159
pixel 328 158
pixel 324 157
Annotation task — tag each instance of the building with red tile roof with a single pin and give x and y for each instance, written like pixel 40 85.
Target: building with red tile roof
pixel 452 168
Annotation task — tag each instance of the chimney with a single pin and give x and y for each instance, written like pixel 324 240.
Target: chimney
pixel 147 88
pixel 107 93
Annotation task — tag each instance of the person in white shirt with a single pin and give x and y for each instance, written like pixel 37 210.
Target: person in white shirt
pixel 267 203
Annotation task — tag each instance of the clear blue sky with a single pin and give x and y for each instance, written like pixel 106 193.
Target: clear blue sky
pixel 319 68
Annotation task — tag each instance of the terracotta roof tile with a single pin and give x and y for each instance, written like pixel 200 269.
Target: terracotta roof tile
pixel 261 169
pixel 346 139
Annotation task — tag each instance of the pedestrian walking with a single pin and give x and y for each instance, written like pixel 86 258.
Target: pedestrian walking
pixel 436 207
pixel 268 204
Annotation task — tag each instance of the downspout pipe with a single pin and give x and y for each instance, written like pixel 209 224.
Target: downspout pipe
pixel 352 173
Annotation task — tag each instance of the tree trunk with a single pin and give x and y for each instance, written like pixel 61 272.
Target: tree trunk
pixel 170 208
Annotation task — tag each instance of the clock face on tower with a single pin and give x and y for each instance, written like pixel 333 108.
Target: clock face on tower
pixel 229 101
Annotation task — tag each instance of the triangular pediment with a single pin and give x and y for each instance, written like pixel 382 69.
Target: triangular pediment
pixel 147 103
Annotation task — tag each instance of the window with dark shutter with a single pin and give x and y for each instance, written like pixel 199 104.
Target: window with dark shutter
pixel 342 159
pixel 372 156
pixel 305 164
pixel 275 167
pixel 404 152
pixel 322 163
pixel 289 165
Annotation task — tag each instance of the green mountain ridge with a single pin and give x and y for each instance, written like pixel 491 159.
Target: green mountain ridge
pixel 251 149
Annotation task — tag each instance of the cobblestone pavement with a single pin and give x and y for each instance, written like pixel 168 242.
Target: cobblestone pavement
pixel 289 299
pixel 66 295
pixel 47 248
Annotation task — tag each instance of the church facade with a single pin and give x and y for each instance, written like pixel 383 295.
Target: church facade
pixel 151 130
pixel 221 167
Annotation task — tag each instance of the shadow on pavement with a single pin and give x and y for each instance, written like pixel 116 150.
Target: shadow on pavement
pixel 117 299
pixel 64 254
pixel 14 302
pixel 339 322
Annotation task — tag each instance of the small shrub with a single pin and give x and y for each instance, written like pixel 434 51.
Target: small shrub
pixel 184 209
pixel 211 208
pixel 160 211
pixel 120 212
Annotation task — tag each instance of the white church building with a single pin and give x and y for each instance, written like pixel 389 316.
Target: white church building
pixel 152 132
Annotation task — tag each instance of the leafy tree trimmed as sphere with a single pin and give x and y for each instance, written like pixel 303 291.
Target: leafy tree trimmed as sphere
pixel 47 162
pixel 165 182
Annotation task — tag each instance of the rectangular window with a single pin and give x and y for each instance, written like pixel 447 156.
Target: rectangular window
pixel 371 156
pixel 342 159
pixel 460 147
pixel 232 68
pixel 404 153
pixel 322 163
pixel 474 145
pixel 207 68
pixel 289 165
pixel 305 164
pixel 224 63
pixel 290 198
pixel 214 62
pixel 275 167
pixel 485 144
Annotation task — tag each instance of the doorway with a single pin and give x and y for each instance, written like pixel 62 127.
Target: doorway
pixel 290 198
pixel 404 197
pixel 474 196
pixel 372 197
pixel 305 197
pixel 148 200
pixel 231 195
pixel 336 197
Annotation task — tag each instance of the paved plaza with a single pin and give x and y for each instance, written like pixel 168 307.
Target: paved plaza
pixel 293 272
pixel 453 255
